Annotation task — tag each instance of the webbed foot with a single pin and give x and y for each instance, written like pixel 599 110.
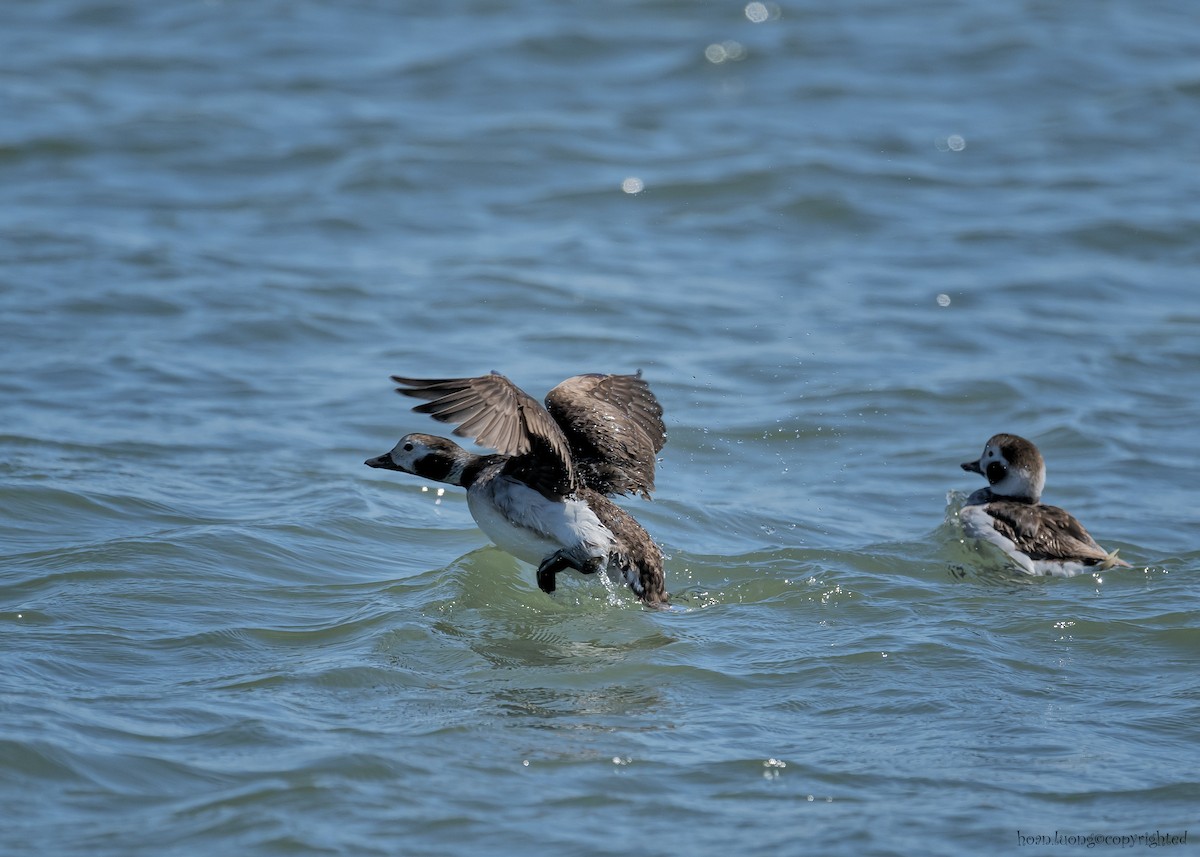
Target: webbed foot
pixel 560 561
pixel 551 566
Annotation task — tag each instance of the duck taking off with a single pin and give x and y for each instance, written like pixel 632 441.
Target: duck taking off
pixel 1008 513
pixel 543 497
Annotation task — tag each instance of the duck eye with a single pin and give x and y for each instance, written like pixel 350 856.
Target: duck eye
pixel 408 447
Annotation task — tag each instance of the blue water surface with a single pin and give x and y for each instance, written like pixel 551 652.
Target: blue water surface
pixel 845 243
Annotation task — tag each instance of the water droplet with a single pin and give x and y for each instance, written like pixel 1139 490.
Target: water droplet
pixel 757 12
pixel 953 143
pixel 727 51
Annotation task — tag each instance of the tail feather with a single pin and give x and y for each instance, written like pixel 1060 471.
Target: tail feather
pixel 1112 561
pixel 646 581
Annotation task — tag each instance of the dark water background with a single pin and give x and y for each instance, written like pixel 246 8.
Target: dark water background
pixel 867 236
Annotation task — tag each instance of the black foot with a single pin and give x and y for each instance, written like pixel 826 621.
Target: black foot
pixel 551 566
pixel 559 561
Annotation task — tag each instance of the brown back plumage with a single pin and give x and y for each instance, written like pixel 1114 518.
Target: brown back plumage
pixel 1044 532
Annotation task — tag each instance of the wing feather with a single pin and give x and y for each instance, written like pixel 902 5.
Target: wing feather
pixel 614 427
pixel 1045 532
pixel 496 413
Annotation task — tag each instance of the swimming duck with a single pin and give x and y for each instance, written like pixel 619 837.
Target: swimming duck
pixel 544 496
pixel 1008 513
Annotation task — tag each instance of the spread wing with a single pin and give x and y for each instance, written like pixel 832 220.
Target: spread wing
pixel 1045 532
pixel 496 413
pixel 614 427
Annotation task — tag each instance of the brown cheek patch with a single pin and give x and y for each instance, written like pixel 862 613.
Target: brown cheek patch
pixel 435 467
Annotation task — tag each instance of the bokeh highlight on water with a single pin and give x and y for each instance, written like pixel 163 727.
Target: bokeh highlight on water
pixel 845 243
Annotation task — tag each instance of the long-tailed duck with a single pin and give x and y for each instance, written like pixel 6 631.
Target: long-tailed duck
pixel 543 497
pixel 1041 539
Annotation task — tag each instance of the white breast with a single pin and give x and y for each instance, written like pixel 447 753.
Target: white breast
pixel 527 525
